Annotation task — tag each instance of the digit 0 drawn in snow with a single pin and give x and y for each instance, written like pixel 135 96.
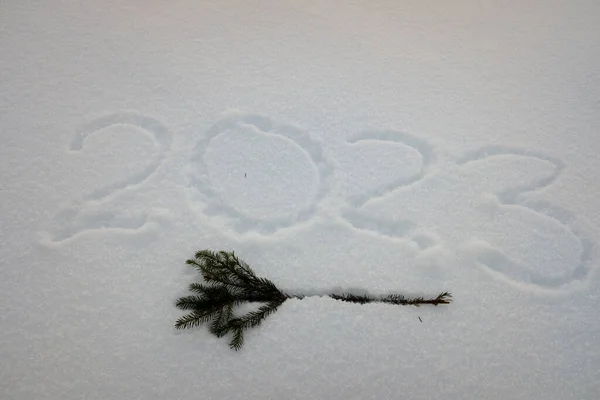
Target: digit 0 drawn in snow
pixel 252 174
pixel 110 206
pixel 482 206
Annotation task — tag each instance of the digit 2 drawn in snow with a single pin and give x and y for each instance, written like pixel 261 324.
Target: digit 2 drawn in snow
pixel 482 207
pixel 253 174
pixel 97 209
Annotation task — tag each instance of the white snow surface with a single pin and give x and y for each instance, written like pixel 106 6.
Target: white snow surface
pixel 409 146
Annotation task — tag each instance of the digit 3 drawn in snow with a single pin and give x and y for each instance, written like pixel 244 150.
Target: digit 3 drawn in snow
pixel 484 206
pixel 97 209
pixel 250 173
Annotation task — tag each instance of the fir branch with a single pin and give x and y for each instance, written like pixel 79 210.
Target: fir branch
pixel 397 299
pixel 254 318
pixel 238 339
pixel 191 302
pixel 232 282
pixel 201 289
pixel 220 325
pixel 352 298
pixel 195 318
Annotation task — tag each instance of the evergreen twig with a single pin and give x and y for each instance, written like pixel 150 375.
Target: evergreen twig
pixel 231 282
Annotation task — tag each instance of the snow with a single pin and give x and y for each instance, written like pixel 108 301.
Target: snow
pixel 391 146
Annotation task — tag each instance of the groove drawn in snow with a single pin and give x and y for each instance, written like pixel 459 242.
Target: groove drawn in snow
pixel 482 206
pixel 73 220
pixel 252 174
pixel 149 126
pixel 376 162
pixel 255 175
pixel 110 206
pixel 391 228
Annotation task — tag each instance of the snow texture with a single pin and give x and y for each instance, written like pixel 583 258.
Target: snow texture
pixel 380 146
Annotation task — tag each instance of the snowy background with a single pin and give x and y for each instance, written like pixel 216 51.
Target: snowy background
pixel 386 146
